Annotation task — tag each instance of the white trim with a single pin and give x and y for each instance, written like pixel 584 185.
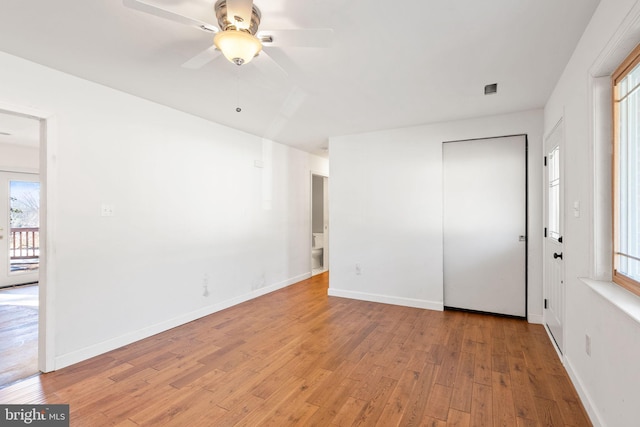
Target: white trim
pixel 553 342
pixel 9 168
pixel 48 263
pixel 600 154
pixel 128 338
pixel 386 299
pixel 48 188
pixel 620 44
pixel 537 319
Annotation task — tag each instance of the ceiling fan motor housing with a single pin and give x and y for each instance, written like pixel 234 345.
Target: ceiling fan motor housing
pixel 231 23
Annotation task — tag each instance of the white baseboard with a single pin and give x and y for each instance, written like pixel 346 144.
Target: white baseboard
pixel 386 299
pixel 538 319
pixel 128 338
pixel 593 413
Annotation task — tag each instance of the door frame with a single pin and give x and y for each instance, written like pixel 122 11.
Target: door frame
pixel 526 222
pixel 48 187
pixel 325 255
pixel 562 219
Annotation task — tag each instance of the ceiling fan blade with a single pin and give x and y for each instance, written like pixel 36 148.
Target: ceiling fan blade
pixel 202 59
pixel 319 37
pixel 241 9
pixel 268 66
pixel 171 16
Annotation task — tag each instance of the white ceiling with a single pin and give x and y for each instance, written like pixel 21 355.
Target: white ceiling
pixel 391 64
pixel 19 130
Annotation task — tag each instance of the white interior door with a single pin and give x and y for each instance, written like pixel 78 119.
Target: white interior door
pixel 485 225
pixel 19 228
pixel 553 246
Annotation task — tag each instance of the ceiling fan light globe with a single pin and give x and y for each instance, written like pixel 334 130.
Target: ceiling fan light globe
pixel 238 47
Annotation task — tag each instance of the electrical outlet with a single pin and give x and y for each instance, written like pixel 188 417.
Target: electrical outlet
pixel 205 285
pixel 358 269
pixel 587 344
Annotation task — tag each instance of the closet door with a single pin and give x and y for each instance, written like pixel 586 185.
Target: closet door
pixel 485 226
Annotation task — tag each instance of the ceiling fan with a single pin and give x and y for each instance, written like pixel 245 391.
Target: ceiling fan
pixel 236 34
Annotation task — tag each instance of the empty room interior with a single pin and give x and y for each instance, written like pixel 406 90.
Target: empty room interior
pixel 321 212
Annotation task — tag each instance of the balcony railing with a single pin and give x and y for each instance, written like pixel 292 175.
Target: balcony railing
pixel 24 243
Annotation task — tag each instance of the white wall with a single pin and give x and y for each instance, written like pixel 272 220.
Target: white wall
pixel 609 379
pixel 188 202
pixel 19 158
pixel 386 210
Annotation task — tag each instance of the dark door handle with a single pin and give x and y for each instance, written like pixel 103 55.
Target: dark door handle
pixel 556 256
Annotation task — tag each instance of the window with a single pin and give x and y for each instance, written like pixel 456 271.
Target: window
pixel 554 193
pixel 626 173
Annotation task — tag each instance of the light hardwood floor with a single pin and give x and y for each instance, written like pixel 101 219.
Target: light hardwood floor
pixel 298 357
pixel 18 333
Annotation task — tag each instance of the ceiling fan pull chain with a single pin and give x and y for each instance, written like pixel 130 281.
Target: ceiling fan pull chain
pixel 238 108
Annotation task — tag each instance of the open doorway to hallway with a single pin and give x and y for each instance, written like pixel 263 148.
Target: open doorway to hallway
pixel 19 246
pixel 319 224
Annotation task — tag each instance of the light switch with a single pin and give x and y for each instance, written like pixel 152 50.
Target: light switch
pixel 576 208
pixel 107 210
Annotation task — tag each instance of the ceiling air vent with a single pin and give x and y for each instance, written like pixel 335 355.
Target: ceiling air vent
pixel 492 88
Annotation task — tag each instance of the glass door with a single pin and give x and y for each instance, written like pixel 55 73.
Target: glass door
pixel 19 228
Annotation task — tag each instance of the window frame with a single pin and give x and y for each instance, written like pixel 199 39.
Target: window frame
pixel 627 65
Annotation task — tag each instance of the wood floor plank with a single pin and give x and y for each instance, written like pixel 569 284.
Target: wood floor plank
pixel 415 408
pixel 367 385
pixel 525 422
pixel 548 412
pixel 375 404
pixel 299 357
pixel 523 401
pixel 336 386
pixel 397 402
pixel 297 410
pixel 483 362
pixel 463 386
pixel 272 403
pixel 566 397
pixel 481 406
pixel 503 407
pixel 457 418
pixel 428 421
pixel 439 402
pixel 395 359
pixel 239 411
pixel 449 369
pixel 349 412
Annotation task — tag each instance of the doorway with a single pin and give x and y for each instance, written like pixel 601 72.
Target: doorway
pixel 319 224
pixel 20 246
pixel 485 225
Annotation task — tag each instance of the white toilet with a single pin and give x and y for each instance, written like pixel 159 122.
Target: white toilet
pixel 317 248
